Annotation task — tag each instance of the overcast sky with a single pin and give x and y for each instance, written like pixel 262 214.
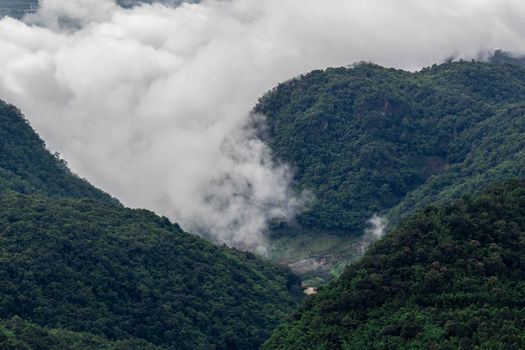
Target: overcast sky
pixel 151 104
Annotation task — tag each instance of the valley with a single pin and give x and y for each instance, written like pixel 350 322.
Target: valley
pixel 166 275
pixel 95 271
pixel 359 206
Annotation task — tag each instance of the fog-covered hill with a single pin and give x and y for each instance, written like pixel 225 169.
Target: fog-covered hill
pixel 77 265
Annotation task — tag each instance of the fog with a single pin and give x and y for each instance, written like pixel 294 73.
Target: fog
pixel 376 227
pixel 152 103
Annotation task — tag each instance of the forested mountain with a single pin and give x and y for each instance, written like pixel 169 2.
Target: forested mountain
pixel 449 277
pixel 119 273
pixel 74 261
pixel 368 139
pixel 81 271
pixel 27 167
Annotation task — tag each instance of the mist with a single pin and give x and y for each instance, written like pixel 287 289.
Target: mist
pixel 152 104
pixel 374 230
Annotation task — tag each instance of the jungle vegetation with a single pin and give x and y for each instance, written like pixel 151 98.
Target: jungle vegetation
pixel 449 277
pixel 79 268
pixel 366 139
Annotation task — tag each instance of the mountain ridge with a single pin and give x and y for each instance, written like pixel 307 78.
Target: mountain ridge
pixel 368 139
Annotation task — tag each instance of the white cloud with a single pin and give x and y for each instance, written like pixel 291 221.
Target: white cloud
pixel 376 228
pixel 151 103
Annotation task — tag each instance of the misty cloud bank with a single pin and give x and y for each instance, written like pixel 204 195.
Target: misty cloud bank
pixel 151 103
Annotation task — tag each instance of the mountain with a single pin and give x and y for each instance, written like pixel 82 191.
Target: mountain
pixel 367 139
pixel 449 277
pixel 17 8
pixel 76 264
pixel 27 167
pixel 500 56
pixel 119 273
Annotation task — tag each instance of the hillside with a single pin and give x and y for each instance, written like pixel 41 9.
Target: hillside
pixel 120 273
pixel 76 262
pixel 368 139
pixel 17 334
pixel 450 277
pixel 27 167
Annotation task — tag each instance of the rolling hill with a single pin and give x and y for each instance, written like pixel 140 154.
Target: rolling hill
pixel 449 277
pixel 367 139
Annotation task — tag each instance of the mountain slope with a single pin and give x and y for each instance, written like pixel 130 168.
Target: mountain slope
pixel 17 334
pixel 27 167
pixel 368 139
pixel 450 277
pixel 120 273
pixel 75 261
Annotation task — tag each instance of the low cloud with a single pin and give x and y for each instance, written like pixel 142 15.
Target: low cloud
pixel 376 228
pixel 151 103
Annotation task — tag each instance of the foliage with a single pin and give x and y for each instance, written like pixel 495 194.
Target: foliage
pixel 78 268
pixel 367 139
pixel 18 334
pixel 449 277
pixel 27 167
pixel 119 273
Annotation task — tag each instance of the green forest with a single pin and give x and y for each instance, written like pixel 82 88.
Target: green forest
pixel 449 277
pixel 367 139
pixel 439 152
pixel 79 268
pixel 17 334
pixel 26 166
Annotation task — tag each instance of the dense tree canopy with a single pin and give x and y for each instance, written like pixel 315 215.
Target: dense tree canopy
pixel 120 273
pixel 449 277
pixel 369 139
pixel 18 334
pixel 81 271
pixel 79 268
